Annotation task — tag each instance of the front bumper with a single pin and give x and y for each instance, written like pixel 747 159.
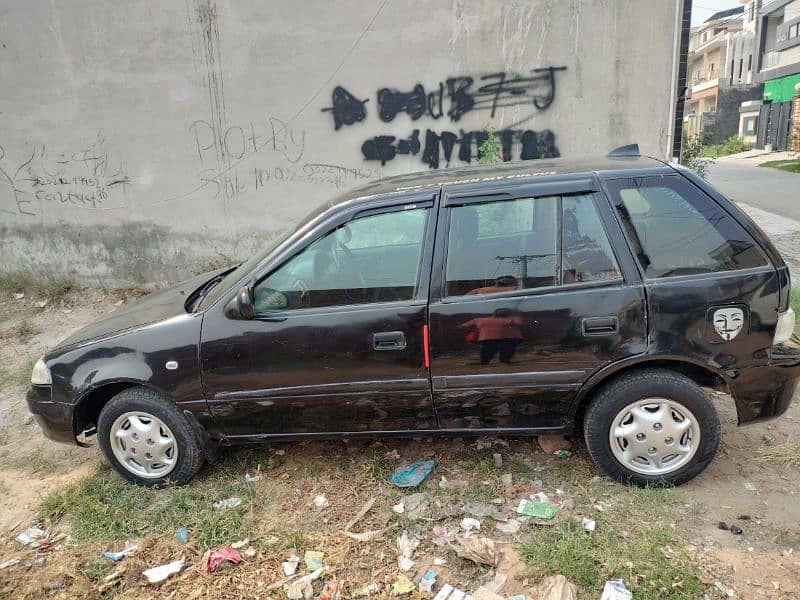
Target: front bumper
pixel 764 392
pixel 55 418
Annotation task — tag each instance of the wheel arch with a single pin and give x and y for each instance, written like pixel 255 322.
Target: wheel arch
pixel 93 400
pixel 701 374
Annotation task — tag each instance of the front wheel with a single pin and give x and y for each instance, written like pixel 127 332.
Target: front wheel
pixel 147 439
pixel 652 426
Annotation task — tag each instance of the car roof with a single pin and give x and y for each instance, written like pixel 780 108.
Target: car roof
pixel 555 168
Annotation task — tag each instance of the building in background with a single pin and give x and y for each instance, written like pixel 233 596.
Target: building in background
pixel 721 74
pixel 777 25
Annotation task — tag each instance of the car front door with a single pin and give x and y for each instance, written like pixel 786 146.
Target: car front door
pixel 528 299
pixel 337 341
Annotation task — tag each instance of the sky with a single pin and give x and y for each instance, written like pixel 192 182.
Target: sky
pixel 702 9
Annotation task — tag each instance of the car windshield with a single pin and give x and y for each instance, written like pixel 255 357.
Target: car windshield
pixel 247 266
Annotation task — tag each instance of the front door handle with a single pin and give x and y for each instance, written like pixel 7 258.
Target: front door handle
pixel 600 325
pixel 389 340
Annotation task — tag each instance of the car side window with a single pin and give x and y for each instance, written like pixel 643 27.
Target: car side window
pixel 370 259
pixel 519 244
pixel 676 230
pixel 587 254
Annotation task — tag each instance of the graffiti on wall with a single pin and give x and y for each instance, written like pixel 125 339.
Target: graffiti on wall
pixel 451 99
pixel 46 178
pixel 280 148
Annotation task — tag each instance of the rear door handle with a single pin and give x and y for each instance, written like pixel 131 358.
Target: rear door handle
pixel 389 340
pixel 600 325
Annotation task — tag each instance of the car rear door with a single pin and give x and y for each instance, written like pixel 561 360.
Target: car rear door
pixel 337 342
pixel 528 299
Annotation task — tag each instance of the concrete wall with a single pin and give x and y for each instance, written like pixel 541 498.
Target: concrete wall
pixel 139 139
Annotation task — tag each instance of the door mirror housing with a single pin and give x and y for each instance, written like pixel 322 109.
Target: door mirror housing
pixel 241 305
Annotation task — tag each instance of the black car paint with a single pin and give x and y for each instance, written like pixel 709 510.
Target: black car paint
pixel 347 387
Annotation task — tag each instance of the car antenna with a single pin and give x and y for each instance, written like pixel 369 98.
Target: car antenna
pixel 629 150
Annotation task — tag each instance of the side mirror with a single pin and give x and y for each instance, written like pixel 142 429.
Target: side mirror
pixel 241 305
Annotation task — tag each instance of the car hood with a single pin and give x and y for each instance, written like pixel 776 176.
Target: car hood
pixel 157 306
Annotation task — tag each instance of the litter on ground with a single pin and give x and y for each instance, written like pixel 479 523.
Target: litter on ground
pixel 402 585
pixel 302 588
pixel 162 572
pixel 228 503
pixel 414 474
pixel 614 589
pixel 182 535
pixel 314 560
pixel 222 556
pixel 540 510
pixel 405 550
pixel 118 556
pixel 427 581
pixel 290 565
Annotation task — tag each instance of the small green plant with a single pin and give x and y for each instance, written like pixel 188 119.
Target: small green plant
pixel 733 145
pixel 381 467
pixel 294 540
pixel 692 154
pixel 490 151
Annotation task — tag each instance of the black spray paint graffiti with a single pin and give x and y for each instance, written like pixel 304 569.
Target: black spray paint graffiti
pixel 462 94
pixel 454 98
pixel 531 145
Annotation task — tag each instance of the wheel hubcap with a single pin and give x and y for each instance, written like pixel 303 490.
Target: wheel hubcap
pixel 144 445
pixel 654 436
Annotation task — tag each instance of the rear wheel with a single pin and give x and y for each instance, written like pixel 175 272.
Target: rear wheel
pixel 652 426
pixel 147 439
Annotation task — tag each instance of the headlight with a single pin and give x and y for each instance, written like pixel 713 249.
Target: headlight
pixel 785 327
pixel 41 374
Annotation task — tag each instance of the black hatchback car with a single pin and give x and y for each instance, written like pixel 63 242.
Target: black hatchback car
pixel 527 298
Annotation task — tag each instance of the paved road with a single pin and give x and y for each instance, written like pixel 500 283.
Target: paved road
pixel 772 190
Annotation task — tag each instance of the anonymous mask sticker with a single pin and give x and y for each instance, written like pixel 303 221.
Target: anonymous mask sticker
pixel 728 322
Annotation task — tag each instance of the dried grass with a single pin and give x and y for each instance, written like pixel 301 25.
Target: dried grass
pixel 787 454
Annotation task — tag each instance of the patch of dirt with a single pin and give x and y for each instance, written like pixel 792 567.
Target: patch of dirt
pixel 761 499
pixel 30 464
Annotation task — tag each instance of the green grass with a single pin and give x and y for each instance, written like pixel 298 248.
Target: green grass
pixel 381 467
pixel 633 540
pixel 791 166
pixel 105 507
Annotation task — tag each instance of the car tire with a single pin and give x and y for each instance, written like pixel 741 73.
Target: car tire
pixel 652 427
pixel 147 439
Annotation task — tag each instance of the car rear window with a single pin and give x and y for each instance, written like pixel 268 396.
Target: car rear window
pixel 675 229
